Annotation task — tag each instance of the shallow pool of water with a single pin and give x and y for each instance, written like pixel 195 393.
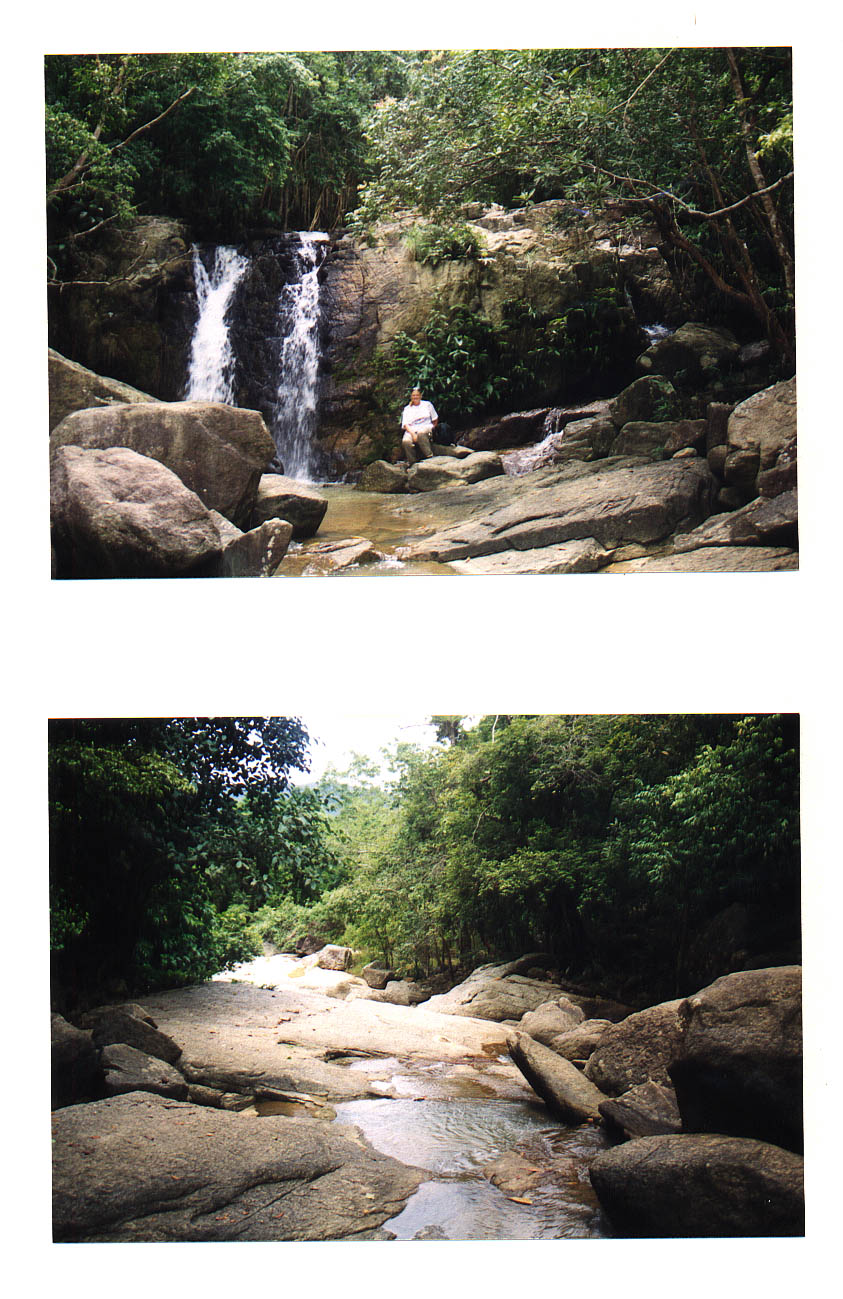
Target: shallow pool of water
pixel 456 1139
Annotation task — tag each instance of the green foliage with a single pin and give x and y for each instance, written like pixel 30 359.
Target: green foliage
pixel 608 841
pixel 466 363
pixel 133 804
pixel 431 243
pixel 237 936
pixel 219 140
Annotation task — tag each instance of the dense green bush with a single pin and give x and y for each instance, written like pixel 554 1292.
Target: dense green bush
pixel 431 243
pixel 466 363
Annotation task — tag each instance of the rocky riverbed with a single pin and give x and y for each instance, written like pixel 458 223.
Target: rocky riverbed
pixel 320 1107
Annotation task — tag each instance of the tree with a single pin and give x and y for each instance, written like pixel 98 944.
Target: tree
pixel 699 140
pixel 131 802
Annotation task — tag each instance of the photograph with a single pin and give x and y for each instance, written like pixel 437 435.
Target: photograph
pixel 401 312
pixel 499 977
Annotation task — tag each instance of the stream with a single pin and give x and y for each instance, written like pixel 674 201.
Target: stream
pixel 455 1120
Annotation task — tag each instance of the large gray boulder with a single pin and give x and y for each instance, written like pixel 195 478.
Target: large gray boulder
pixel 700 1186
pixel 490 993
pixel 74 1063
pixel 559 1083
pixel 637 1050
pixel 129 1070
pixel 513 430
pixel 448 471
pixel 218 451
pixel 144 1168
pixel 642 502
pixel 580 1042
pixel 116 513
pixel 758 431
pixel 738 1064
pixel 334 957
pixel 73 387
pixel 550 1020
pixel 280 497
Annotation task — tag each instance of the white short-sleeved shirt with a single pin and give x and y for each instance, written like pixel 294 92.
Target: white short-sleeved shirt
pixel 419 418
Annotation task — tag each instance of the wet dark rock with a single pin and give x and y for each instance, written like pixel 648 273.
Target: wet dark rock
pixel 647 399
pixel 700 1186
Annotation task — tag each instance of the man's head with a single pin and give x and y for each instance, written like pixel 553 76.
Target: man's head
pixel 415 397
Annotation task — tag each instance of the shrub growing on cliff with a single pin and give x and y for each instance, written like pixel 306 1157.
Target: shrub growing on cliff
pixel 431 243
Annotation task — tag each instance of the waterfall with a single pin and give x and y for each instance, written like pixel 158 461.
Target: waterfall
pixel 293 420
pixel 211 368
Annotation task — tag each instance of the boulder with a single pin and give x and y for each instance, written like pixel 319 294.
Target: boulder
pixel 759 429
pixel 621 502
pixel 256 553
pixel 550 1019
pixel 578 1043
pixel 583 556
pixel 333 556
pixel 381 476
pixel 376 976
pixel 559 1083
pixel 200 1174
pixel 73 387
pixel 647 399
pixel 116 513
pixel 694 351
pixel 218 451
pixel 489 994
pixel 113 1024
pixel 447 471
pixel 637 1050
pixel 286 498
pixel 644 1111
pixel 75 1071
pixel 782 476
pixel 130 1070
pixel 738 1065
pixel 659 440
pixel 334 957
pixel 401 992
pixel 515 430
pixel 679 1185
pixel 763 522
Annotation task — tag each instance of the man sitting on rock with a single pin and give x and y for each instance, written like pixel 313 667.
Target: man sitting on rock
pixel 418 421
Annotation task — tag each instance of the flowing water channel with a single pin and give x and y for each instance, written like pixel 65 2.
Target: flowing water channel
pixel 454 1121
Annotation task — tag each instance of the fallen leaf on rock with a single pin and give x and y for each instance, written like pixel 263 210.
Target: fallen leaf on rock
pixel 519 1199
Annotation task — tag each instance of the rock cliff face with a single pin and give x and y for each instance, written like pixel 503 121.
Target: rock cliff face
pixel 551 257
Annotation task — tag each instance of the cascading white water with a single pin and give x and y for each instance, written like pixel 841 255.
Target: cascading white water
pixel 211 369
pixel 294 418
